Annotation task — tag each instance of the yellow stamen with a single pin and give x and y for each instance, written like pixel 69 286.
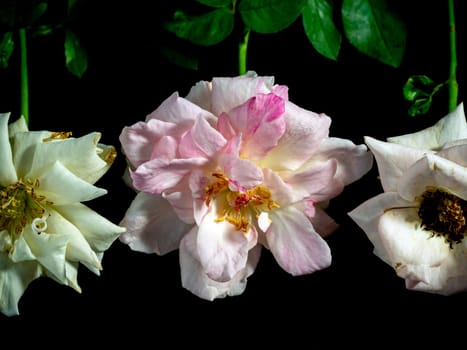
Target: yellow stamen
pixel 58 135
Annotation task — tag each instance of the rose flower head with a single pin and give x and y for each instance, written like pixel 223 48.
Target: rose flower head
pixel 233 167
pixel 418 225
pixel 45 230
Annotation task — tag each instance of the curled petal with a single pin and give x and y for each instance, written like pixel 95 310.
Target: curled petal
pixel 7 170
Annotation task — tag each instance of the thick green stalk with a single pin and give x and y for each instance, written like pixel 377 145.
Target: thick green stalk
pixel 242 51
pixel 24 75
pixel 452 82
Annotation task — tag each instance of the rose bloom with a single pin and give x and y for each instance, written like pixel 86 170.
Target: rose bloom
pixel 418 224
pixel 44 229
pixel 231 168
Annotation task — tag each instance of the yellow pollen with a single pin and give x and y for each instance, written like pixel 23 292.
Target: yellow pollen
pixel 239 207
pixel 58 135
pixel 20 205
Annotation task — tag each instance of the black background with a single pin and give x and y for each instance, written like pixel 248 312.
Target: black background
pixel 139 297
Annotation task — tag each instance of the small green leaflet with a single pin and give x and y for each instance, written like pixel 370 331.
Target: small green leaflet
pixel 75 56
pixel 6 48
pixel 419 89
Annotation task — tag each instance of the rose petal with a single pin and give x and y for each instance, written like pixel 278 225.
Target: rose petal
pixel 7 170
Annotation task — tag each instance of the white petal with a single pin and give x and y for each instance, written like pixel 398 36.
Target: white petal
pixel 392 160
pixel 434 171
pixel 99 232
pixel 7 170
pixel 14 279
pixel 61 186
pixel 450 128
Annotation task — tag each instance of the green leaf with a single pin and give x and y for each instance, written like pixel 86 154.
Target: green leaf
pixel 375 30
pixel 270 16
pixel 75 55
pixel 207 29
pixel 6 48
pixel 420 89
pixel 320 29
pixel 215 3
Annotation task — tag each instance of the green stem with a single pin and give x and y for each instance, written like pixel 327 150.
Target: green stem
pixel 242 51
pixel 24 76
pixel 452 82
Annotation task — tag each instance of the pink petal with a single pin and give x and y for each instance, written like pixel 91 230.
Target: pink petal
pixel 322 222
pixel 152 225
pixel 139 140
pixel 179 111
pixel 318 182
pixel 228 93
pixel 261 123
pixel 297 247
pixel 159 175
pixel 202 140
pixel 353 161
pixel 195 279
pixel 241 171
pixel 182 204
pixel 304 133
pixel 223 250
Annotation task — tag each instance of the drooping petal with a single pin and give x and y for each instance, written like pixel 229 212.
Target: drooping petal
pixel 61 186
pixel 433 171
pixel 305 130
pixel 322 222
pixel 368 214
pixel 449 128
pixel 260 121
pixel 392 160
pixel 222 249
pixel 159 175
pixel 7 168
pixel 152 225
pixel 202 141
pixel 353 161
pixel 195 279
pixel 14 279
pixel 99 232
pixel 228 93
pixel 293 241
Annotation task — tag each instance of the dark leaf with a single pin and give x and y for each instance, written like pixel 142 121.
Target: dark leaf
pixel 207 29
pixel 375 30
pixel 75 55
pixel 269 16
pixel 215 3
pixel 320 28
pixel 6 48
pixel 179 59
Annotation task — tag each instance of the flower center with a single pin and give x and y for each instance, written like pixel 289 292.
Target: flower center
pixel 238 207
pixel 444 214
pixel 20 206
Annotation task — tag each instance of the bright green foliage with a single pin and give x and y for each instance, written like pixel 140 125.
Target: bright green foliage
pixel 419 89
pixel 75 56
